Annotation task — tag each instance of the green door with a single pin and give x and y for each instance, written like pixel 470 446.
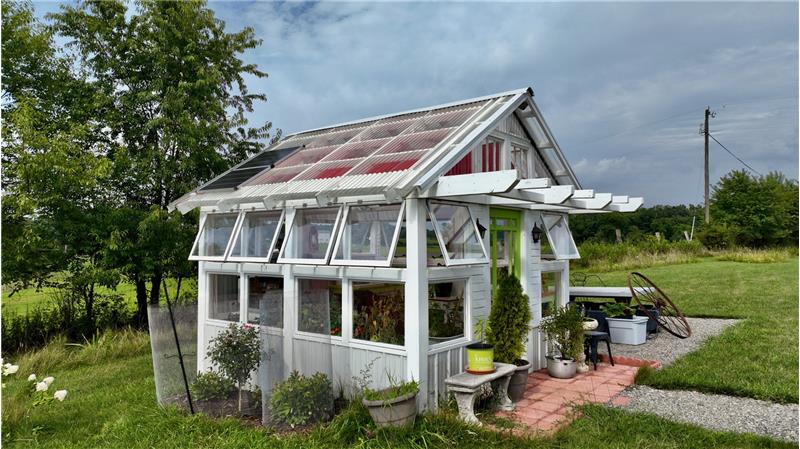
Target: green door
pixel 504 238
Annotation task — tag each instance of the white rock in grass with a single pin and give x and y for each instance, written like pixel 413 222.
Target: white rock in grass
pixel 60 395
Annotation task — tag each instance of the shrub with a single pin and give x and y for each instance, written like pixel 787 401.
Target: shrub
pixel 210 385
pixel 509 321
pixel 237 352
pixel 564 329
pixel 301 400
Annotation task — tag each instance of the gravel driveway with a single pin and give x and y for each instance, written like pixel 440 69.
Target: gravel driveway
pixel 666 348
pixel 717 412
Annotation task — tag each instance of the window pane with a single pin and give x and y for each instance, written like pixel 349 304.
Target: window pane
pixel 550 291
pixel 223 297
pixel 446 311
pixel 215 235
pixel 379 312
pixel 265 301
pixel 320 307
pixel 256 234
pixel 560 238
pixel 368 233
pixel 457 231
pixel 435 257
pixel 311 234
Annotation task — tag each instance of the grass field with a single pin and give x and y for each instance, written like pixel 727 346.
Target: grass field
pixel 111 404
pixel 756 358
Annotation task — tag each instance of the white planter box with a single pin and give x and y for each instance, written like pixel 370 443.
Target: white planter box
pixel 631 331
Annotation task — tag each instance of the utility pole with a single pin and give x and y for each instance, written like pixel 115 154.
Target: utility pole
pixel 707 182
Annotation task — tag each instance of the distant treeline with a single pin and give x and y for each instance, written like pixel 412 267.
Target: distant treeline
pixel 669 221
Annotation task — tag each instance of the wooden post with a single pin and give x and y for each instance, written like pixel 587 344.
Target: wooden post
pixel 618 231
pixel 416 298
pixel 705 135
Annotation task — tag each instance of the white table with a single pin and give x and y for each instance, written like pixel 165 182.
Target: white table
pixel 616 293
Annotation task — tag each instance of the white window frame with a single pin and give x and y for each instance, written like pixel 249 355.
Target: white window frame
pixel 377 345
pixel 274 330
pixel 556 250
pixel 238 229
pixel 328 252
pixel 467 337
pixel 217 321
pixel 450 262
pixel 313 336
pixel 202 228
pixel 367 263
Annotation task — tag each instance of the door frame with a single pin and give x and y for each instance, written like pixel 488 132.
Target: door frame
pixel 513 214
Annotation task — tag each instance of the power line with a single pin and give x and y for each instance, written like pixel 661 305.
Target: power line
pixel 735 156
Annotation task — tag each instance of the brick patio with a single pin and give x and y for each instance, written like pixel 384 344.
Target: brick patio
pixel 548 401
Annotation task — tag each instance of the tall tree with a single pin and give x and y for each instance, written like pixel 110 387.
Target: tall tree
pixel 174 109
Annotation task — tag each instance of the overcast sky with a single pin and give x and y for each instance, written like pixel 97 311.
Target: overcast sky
pixel 623 86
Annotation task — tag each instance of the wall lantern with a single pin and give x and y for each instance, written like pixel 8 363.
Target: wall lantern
pixel 536 232
pixel 481 228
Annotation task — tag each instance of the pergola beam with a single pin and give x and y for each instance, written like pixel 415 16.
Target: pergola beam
pixel 599 201
pixel 472 184
pixel 632 205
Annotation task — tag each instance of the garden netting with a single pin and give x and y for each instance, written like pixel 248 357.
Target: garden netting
pixel 169 376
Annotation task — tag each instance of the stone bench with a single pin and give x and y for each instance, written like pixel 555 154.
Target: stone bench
pixel 466 386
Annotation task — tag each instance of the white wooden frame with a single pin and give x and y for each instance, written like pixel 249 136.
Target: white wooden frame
pixel 557 251
pixel 238 230
pixel 368 263
pixel 367 344
pixel 455 262
pixel 199 235
pixel 328 251
pixel 244 319
pixel 217 321
pixel 313 336
pixel 467 337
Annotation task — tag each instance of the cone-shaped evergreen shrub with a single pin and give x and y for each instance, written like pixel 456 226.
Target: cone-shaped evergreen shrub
pixel 509 320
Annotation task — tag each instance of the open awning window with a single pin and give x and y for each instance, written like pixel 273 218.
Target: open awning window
pixel 257 237
pixel 369 235
pixel 214 237
pixel 310 236
pixel 560 237
pixel 457 233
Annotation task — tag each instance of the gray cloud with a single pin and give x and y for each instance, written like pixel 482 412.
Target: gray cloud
pixel 622 85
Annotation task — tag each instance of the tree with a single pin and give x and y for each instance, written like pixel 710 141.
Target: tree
pixel 509 320
pixel 174 105
pixel 756 211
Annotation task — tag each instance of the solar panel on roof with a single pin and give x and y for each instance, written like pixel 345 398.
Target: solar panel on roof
pixel 257 164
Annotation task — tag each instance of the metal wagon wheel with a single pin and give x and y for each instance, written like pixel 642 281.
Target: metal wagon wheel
pixel 669 316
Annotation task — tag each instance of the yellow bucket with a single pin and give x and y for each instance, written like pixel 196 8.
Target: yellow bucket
pixel 480 357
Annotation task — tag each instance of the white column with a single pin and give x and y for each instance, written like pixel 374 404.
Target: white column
pixel 416 298
pixel 202 313
pixel 290 295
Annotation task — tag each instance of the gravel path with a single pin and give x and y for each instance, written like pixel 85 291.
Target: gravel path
pixel 717 412
pixel 666 348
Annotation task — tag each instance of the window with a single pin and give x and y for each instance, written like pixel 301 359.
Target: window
pixel 551 290
pixel 519 160
pixel 491 156
pixel 457 234
pixel 223 297
pixel 446 310
pixel 368 236
pixel 320 306
pixel 265 301
pixel 213 238
pixel 257 235
pixel 379 312
pixel 311 236
pixel 560 237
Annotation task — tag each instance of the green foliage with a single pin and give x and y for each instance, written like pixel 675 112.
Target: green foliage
pixel 395 390
pixel 211 385
pixel 754 211
pixel 669 221
pixel 564 329
pixel 647 252
pixel 509 320
pixel 301 400
pixel 617 310
pixel 236 351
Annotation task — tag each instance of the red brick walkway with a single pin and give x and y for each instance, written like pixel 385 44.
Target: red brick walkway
pixel 548 401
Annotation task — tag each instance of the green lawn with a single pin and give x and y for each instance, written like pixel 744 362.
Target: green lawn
pixel 111 404
pixel 756 358
pixel 29 298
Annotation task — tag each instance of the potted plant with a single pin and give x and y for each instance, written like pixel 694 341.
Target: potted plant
pixel 624 325
pixel 509 323
pixel 395 406
pixel 480 355
pixel 564 331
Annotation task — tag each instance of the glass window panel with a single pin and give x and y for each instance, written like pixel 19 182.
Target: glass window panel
pixel 265 301
pixel 379 312
pixel 368 233
pixel 446 310
pixel 215 235
pixel 560 237
pixel 537 131
pixel 311 234
pixel 435 257
pixel 223 297
pixel 519 160
pixel 551 156
pixel 256 234
pixel 551 289
pixel 320 306
pixel 457 231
